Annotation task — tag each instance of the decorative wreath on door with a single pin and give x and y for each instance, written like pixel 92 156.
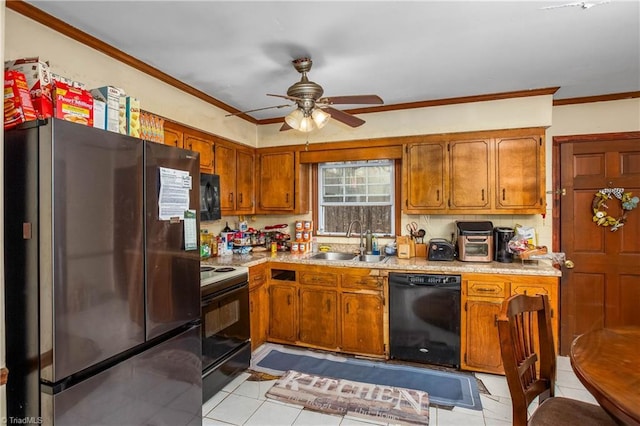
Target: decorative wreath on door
pixel 599 207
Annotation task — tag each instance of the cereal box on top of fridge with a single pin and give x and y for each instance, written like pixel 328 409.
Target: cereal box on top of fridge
pixel 133 117
pixel 73 104
pixel 122 115
pixel 99 114
pixel 18 107
pixel 111 96
pixel 69 82
pixel 38 79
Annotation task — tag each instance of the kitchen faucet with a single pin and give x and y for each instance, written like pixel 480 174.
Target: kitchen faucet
pixel 361 249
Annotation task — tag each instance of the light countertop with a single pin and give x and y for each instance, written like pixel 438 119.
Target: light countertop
pixel 541 267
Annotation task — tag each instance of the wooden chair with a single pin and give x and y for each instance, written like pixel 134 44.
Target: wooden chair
pixel 528 356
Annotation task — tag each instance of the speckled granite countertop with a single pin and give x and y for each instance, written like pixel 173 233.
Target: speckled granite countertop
pixel 543 267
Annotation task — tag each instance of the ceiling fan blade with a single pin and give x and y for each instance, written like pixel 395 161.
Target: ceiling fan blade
pixel 348 119
pixel 285 126
pixel 258 109
pixel 355 99
pixel 292 98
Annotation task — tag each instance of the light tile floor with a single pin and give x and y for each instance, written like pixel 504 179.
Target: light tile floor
pixel 242 402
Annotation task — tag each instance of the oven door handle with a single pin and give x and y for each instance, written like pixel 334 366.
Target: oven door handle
pixel 208 297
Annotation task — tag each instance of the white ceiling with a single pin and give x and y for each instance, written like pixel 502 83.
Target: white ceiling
pixel 404 51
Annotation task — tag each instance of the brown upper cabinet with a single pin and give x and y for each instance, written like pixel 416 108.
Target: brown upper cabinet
pixel 235 164
pixel 484 172
pixel 191 139
pixel 282 182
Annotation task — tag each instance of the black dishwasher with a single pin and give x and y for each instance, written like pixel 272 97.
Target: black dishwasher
pixel 424 318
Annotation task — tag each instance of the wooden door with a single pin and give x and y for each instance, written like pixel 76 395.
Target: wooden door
pixel 172 137
pixel 276 181
pixel 603 288
pixel 244 181
pixel 204 147
pixel 470 178
pixel 425 177
pixel 319 317
pixel 520 174
pixel 225 161
pixel 282 312
pixel 362 323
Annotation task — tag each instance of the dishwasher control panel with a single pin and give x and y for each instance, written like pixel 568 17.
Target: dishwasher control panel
pixel 424 279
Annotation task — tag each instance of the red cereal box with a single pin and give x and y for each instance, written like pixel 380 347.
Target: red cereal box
pixel 17 101
pixel 73 104
pixel 39 83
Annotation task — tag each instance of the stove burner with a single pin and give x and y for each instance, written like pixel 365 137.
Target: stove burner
pixel 226 269
pixel 206 268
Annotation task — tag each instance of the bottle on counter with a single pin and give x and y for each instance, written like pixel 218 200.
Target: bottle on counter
pixel 226 227
pixel 374 245
pixel 205 244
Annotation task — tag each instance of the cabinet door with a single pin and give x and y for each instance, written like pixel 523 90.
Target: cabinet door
pixel 259 315
pixel 258 304
pixel 282 309
pixel 204 147
pixel 276 181
pixel 482 343
pixel 542 285
pixel 173 137
pixel 225 161
pixel 244 181
pixel 425 177
pixel 470 176
pixel 319 317
pixel 520 174
pixel 362 323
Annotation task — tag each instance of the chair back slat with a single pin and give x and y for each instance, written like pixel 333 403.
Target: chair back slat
pixel 527 349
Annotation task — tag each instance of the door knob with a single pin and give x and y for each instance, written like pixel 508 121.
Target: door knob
pixel 569 264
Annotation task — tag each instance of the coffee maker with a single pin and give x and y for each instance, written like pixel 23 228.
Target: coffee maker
pixel 501 237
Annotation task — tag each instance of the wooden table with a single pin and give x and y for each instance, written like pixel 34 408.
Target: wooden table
pixel 607 362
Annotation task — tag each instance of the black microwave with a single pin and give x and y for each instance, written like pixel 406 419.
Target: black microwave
pixel 209 197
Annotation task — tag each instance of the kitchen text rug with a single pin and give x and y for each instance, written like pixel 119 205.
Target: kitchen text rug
pixel 445 388
pixel 349 398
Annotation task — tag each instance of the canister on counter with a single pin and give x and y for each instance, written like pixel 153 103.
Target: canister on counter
pixel 299 225
pixel 294 247
pixel 302 247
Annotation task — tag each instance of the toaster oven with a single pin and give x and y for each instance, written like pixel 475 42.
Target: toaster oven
pixel 475 241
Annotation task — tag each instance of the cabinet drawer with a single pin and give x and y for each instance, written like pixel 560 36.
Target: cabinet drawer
pixel 362 282
pixel 530 290
pixel 257 278
pixel 317 278
pixel 487 289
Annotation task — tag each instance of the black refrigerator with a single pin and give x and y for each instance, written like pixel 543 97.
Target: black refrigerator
pixel 102 280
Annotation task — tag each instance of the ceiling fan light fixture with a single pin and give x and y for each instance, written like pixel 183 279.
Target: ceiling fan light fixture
pixel 320 117
pixel 306 124
pixel 294 119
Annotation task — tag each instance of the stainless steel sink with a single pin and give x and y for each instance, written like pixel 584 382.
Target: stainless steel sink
pixel 371 258
pixel 333 256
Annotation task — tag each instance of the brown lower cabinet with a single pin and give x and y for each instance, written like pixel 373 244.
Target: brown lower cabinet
pixel 482 297
pixel 343 309
pixel 335 309
pixel 258 304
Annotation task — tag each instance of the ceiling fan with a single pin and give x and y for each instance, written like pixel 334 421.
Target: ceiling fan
pixel 312 109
